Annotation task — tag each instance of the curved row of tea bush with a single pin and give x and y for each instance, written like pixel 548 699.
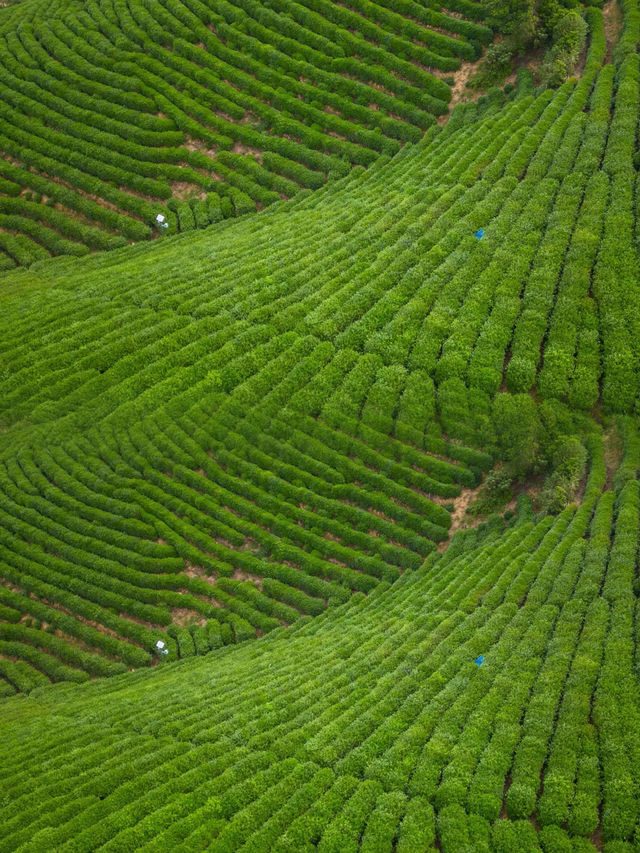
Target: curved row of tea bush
pixel 152 520
pixel 291 404
pixel 110 110
pixel 372 726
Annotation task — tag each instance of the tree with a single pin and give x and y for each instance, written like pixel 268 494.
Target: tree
pixel 515 18
pixel 517 426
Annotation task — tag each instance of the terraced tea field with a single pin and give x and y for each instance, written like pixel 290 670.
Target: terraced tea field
pixel 113 113
pixel 371 727
pixel 205 439
pixel 268 430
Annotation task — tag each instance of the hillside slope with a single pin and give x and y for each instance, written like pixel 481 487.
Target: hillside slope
pixel 207 438
pixel 489 701
pixel 261 432
pixel 112 113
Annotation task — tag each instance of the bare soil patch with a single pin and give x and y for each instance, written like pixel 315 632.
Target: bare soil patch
pixel 612 14
pixel 192 571
pixel 184 190
pixel 239 575
pixel 183 616
pixel 241 148
pixel 459 517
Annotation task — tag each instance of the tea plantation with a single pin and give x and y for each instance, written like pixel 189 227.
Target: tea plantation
pixel 112 113
pixel 241 605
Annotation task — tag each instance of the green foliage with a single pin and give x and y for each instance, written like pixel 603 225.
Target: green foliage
pixel 569 33
pixel 112 112
pixel 282 416
pixel 498 60
pixel 517 18
pixel 517 426
pixel 247 444
pixel 231 751
pixel 568 467
pixel 495 493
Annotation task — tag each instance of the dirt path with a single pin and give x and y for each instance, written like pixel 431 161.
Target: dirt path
pixel 458 94
pixel 612 14
pixel 459 518
pixel 613 452
pixel 460 80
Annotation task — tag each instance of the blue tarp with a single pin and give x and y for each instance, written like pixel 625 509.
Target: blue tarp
pixel 479 660
pixel 479 233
